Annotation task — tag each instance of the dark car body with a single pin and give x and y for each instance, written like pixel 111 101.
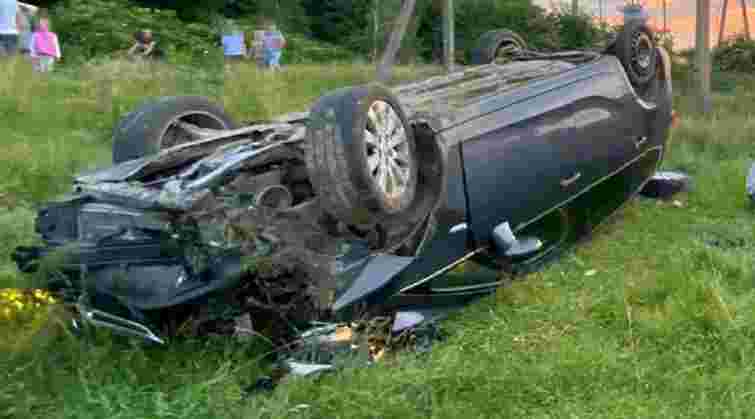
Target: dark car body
pixel 548 147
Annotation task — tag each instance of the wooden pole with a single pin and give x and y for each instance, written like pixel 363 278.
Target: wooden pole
pixel 746 19
pixel 448 35
pixel 385 67
pixel 665 16
pixel 724 9
pixel 375 29
pixel 702 54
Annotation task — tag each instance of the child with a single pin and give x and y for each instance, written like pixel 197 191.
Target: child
pixel 44 46
pixel 274 42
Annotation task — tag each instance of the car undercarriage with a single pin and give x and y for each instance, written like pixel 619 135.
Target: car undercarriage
pixel 264 221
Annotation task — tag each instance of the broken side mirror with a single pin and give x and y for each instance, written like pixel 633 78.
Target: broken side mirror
pixel 509 246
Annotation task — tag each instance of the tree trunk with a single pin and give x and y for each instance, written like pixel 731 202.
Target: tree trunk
pixel 385 67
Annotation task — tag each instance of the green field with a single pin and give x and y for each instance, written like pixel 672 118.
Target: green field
pixel 653 317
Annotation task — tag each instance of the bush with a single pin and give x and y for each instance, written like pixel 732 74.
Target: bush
pixel 575 31
pixel 318 30
pixel 352 24
pixel 106 27
pixel 541 30
pixel 736 55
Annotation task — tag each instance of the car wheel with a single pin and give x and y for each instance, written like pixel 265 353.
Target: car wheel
pixel 153 126
pixel 497 46
pixel 635 48
pixel 362 157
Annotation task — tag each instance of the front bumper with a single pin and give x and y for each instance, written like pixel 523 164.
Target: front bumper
pixel 124 268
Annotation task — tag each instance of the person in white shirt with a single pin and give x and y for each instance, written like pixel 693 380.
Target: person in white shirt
pixel 9 23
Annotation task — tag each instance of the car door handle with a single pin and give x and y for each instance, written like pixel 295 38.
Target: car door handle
pixel 640 142
pixel 568 181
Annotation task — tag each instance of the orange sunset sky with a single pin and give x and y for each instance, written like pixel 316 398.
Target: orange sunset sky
pixel 680 16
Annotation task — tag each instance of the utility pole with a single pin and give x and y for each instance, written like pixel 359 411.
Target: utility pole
pixel 746 19
pixel 449 52
pixel 385 66
pixel 724 9
pixel 574 7
pixel 665 17
pixel 375 29
pixel 702 54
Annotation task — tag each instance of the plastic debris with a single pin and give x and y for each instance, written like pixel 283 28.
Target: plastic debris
pixel 663 185
pixel 406 319
pixel 305 370
pixel 330 347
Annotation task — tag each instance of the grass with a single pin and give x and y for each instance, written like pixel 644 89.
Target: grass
pixel 654 317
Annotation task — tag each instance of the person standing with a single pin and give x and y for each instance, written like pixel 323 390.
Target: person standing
pixel 9 22
pixel 274 42
pixel 145 47
pixel 234 48
pixel 45 48
pixel 25 28
pixel 258 48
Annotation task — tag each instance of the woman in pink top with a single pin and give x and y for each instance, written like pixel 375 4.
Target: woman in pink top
pixel 45 48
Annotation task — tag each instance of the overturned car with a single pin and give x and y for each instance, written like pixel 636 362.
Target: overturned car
pixel 363 204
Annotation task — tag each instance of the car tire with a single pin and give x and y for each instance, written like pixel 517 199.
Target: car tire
pixel 358 136
pixel 146 130
pixel 635 49
pixel 490 45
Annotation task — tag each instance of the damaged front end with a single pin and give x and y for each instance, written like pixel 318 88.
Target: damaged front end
pixel 204 231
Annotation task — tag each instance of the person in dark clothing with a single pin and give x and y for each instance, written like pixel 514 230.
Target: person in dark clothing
pixel 145 46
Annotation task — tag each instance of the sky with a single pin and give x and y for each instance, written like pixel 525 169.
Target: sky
pixel 680 16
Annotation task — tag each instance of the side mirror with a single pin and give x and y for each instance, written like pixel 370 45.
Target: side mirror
pixel 507 245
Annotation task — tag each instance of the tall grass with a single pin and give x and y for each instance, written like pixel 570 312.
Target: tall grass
pixel 250 93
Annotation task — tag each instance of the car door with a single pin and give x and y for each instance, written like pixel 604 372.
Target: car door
pixel 516 171
pixel 609 126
